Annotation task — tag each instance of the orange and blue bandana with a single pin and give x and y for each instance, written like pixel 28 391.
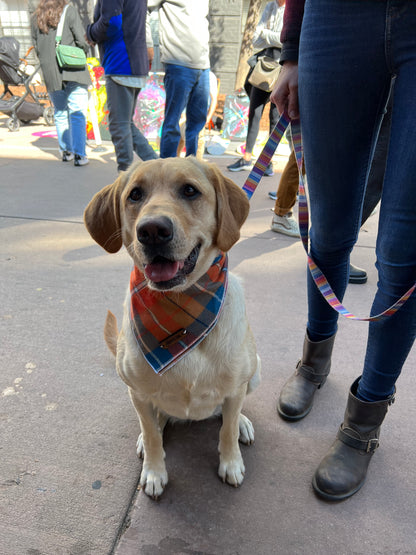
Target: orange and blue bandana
pixel 166 324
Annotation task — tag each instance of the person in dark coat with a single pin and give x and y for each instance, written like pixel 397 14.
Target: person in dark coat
pixel 68 89
pixel 119 30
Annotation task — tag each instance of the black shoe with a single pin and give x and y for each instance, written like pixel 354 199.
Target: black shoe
pixel 239 165
pixel 357 275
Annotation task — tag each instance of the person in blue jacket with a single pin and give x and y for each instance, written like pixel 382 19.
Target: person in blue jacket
pixel 119 30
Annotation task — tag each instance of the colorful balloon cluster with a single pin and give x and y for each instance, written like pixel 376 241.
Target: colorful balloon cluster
pixel 150 108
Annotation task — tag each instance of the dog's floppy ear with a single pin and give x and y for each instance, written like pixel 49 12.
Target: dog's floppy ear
pixel 232 209
pixel 102 216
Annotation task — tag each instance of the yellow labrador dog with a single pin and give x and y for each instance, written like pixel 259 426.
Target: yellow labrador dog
pixel 185 348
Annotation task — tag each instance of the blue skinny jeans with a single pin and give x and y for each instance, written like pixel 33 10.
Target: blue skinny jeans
pixel 185 88
pixel 349 53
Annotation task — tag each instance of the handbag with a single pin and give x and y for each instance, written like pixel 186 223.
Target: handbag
pixel 68 57
pixel 265 73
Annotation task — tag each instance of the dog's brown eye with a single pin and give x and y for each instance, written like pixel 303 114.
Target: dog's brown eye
pixel 190 191
pixel 136 195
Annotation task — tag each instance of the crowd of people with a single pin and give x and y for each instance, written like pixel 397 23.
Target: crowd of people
pixel 122 33
pixel 358 134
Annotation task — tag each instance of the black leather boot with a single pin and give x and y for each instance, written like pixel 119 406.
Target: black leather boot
pixel 357 275
pixel 343 470
pixel 296 397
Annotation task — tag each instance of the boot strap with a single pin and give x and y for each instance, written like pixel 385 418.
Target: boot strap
pixel 310 374
pixel 367 445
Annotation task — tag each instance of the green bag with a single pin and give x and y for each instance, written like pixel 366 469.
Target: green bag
pixel 68 57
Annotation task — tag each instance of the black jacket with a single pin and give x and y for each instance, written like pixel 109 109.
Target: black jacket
pixel 72 35
pixel 119 29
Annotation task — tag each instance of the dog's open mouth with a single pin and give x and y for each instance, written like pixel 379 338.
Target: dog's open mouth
pixel 170 272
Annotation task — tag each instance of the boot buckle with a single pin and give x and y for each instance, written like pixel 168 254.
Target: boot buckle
pixel 372 445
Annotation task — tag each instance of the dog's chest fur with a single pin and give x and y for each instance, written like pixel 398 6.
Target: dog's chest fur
pixel 195 386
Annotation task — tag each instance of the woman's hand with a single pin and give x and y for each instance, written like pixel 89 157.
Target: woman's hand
pixel 88 41
pixel 285 92
pixel 150 55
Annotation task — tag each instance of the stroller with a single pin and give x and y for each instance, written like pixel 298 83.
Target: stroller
pixel 14 71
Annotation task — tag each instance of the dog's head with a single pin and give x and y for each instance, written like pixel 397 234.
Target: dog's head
pixel 172 215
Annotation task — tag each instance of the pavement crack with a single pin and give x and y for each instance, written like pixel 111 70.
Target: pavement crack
pixel 80 222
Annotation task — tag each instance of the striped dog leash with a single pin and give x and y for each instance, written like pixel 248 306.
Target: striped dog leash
pixel 250 186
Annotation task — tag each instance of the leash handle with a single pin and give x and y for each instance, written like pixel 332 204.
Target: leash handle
pixel 303 214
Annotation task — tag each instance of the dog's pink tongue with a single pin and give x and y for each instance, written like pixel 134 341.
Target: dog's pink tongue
pixel 162 271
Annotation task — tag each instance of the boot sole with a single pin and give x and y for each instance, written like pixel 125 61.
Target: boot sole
pixel 357 280
pixel 331 497
pixel 283 231
pixel 293 418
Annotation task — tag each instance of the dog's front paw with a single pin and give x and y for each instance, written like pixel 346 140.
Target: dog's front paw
pixel 232 471
pixel 246 430
pixel 153 481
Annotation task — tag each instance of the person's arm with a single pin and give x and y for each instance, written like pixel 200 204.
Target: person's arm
pixel 285 92
pixel 77 29
pixel 213 94
pixel 97 31
pixel 33 29
pixel 292 24
pixel 149 41
pixel 154 4
pixel 264 35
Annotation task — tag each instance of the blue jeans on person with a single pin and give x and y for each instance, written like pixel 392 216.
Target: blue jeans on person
pixel 126 138
pixel 70 107
pixel 185 88
pixel 345 74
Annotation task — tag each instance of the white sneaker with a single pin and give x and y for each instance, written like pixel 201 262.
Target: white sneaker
pixel 285 224
pixel 80 160
pixel 67 156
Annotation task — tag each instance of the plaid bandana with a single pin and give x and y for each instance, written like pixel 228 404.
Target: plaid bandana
pixel 168 324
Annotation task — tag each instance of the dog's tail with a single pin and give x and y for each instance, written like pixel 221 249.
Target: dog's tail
pixel 111 332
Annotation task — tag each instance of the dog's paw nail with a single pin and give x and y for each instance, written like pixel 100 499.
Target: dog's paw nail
pixel 232 472
pixel 153 482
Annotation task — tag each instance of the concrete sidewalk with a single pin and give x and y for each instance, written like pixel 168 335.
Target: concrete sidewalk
pixel 68 467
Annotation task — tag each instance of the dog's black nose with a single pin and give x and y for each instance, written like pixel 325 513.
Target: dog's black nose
pixel 155 231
